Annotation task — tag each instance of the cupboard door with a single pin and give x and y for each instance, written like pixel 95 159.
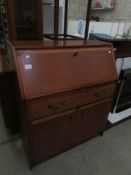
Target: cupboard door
pixel 53 135
pixel 92 119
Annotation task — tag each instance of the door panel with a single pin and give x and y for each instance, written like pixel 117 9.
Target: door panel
pixel 92 119
pixel 53 135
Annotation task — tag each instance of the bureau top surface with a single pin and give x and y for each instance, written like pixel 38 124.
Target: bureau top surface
pixel 58 44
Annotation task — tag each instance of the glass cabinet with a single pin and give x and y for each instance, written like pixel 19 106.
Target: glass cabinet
pixel 24 19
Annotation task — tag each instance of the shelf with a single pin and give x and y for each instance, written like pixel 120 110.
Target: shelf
pixel 103 5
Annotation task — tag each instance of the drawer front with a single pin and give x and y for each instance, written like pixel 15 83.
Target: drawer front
pixel 57 103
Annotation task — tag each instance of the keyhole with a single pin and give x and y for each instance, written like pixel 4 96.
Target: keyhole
pixel 75 54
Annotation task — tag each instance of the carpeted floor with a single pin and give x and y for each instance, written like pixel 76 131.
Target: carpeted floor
pixel 107 155
pixel 4 133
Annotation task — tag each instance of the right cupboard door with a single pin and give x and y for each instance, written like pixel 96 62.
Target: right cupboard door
pixel 92 119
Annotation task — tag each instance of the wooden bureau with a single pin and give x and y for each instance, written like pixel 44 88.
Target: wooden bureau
pixel 66 90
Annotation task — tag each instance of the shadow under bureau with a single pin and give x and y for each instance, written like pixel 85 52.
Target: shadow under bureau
pixel 66 90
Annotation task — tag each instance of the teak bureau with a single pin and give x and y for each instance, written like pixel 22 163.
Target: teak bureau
pixel 66 90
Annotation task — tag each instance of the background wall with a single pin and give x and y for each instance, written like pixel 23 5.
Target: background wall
pixel 77 10
pixel 121 12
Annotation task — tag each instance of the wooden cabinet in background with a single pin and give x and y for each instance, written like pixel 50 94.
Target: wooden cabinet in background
pixel 24 19
pixel 66 89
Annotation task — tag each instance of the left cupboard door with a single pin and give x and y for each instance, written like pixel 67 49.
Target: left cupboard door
pixel 52 135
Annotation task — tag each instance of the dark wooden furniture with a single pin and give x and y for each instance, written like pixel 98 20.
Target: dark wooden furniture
pixel 24 19
pixel 3 26
pixel 121 45
pixel 66 89
pixel 8 96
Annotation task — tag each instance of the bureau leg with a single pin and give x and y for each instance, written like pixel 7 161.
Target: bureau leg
pixel 31 166
pixel 101 133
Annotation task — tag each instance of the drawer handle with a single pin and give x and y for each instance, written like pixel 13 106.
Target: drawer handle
pixel 56 107
pixel 99 94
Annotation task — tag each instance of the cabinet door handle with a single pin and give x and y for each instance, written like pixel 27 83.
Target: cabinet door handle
pixel 82 114
pixel 72 119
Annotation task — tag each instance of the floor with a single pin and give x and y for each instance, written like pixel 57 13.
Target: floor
pixel 4 133
pixel 107 155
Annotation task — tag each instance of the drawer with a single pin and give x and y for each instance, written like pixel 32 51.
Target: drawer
pixel 49 105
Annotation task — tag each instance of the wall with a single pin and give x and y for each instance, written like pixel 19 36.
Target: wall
pixel 115 29
pixel 77 10
pixel 121 12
